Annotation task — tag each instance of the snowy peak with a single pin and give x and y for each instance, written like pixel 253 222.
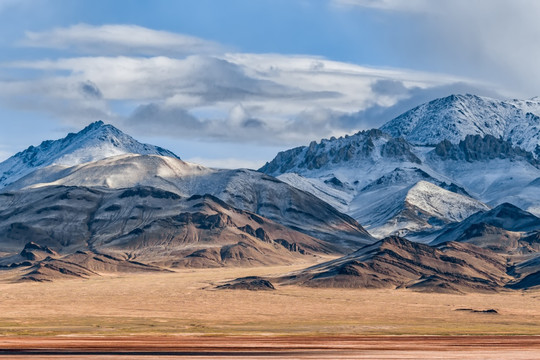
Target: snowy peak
pixel 454 117
pixel 441 203
pixel 95 142
pixel 98 141
pixel 419 208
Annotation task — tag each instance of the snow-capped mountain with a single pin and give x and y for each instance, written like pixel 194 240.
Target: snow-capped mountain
pixel 454 117
pixel 490 169
pixel 362 149
pixel 95 142
pixel 369 176
pixel 474 147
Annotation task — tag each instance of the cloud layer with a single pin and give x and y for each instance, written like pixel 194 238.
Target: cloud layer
pixel 160 83
pixel 119 40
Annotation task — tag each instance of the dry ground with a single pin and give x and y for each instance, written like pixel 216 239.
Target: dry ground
pixel 184 305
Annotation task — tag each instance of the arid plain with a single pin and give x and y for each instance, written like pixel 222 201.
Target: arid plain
pixel 182 314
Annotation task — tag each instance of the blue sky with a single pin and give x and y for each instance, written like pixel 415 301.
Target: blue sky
pixel 230 83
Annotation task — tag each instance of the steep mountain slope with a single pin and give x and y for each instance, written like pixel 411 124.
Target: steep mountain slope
pixel 456 116
pixel 244 189
pixel 96 141
pixel 505 216
pixel 145 224
pixel 372 152
pixel 396 262
pixel 508 231
pixel 40 263
pixel 369 176
pixel 413 210
pixel 491 170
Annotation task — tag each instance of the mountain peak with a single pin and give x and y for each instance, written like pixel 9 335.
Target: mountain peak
pixel 454 117
pixel 95 124
pixel 95 142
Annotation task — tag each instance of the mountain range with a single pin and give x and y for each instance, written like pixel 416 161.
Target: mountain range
pixel 458 176
pixel 440 143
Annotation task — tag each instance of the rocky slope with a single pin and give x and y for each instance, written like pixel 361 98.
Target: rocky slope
pixel 143 224
pixel 244 189
pixel 506 217
pixel 395 262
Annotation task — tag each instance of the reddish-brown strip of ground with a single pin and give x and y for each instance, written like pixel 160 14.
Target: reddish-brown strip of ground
pixel 282 347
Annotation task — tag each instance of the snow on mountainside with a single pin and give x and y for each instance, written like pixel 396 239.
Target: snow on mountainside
pixel 417 209
pixel 95 142
pixel 472 146
pixel 505 216
pixel 490 169
pixel 365 146
pixel 454 117
pixel 441 203
pixel 345 164
pixel 366 175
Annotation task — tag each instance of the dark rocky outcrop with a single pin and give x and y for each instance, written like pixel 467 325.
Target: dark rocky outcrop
pixel 360 146
pixel 253 283
pixel 478 148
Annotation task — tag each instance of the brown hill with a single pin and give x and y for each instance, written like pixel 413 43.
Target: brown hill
pixel 396 262
pixel 81 264
pixel 210 233
pixel 147 225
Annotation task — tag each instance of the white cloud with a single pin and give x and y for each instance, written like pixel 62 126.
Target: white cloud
pixel 6 154
pixel 235 97
pixel 119 40
pixel 189 92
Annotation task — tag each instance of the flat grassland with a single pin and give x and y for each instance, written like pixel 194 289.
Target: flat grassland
pixel 185 304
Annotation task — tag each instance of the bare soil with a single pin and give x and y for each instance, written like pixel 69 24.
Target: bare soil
pixel 181 314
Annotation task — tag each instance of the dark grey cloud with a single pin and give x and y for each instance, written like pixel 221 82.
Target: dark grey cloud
pixel 158 119
pixel 213 80
pixel 254 124
pixel 90 90
pixel 389 87
pixel 162 120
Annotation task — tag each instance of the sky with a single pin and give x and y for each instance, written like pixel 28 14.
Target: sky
pixel 231 83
